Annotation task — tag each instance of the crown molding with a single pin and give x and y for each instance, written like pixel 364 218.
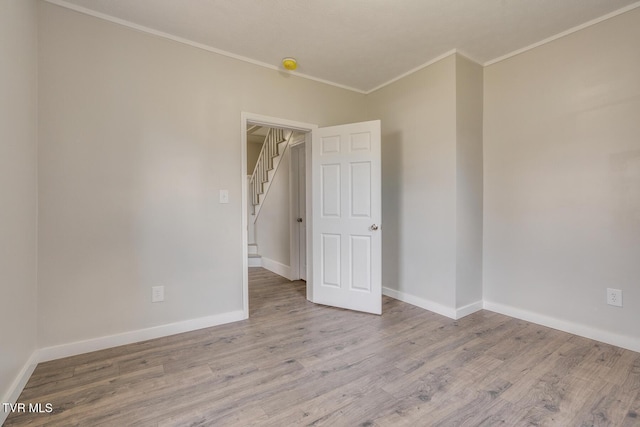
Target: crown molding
pixel 191 43
pixel 563 34
pixel 141 28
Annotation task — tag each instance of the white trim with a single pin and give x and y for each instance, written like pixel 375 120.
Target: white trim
pixel 157 33
pixel 308 138
pixel 294 228
pixel 449 312
pixel 420 302
pixel 468 57
pixel 415 70
pixel 94 344
pixel 255 262
pixel 425 65
pixel 188 42
pixel 469 309
pixel 18 384
pixel 564 33
pixel 244 208
pixel 294 203
pixel 601 335
pixel 299 140
pixel 258 119
pixel 277 267
pixel 612 338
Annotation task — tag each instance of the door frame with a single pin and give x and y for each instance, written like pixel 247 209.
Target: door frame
pixel 294 200
pixel 262 120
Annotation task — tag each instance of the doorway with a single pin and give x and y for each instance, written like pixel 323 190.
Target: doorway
pixel 301 232
pixel 342 210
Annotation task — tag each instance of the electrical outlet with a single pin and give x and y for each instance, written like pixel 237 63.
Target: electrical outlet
pixel 614 297
pixel 157 293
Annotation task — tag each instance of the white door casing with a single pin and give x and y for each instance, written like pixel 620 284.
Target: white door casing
pixel 298 217
pixel 346 211
pixel 250 119
pixel 302 212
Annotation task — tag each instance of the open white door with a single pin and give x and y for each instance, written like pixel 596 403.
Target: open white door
pixel 346 234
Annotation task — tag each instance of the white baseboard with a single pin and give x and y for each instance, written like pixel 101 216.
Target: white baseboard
pixel 254 262
pixel 18 384
pixel 420 302
pixel 612 338
pixel 80 347
pixel 449 312
pixel 469 309
pixel 101 343
pixel 276 267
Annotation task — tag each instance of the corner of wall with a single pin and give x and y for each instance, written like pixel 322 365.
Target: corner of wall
pixel 19 193
pixel 18 384
pixel 469 182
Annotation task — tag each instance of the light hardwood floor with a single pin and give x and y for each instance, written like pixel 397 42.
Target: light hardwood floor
pixel 295 363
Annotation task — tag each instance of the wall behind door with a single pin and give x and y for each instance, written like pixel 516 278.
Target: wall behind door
pixel 137 136
pixel 273 223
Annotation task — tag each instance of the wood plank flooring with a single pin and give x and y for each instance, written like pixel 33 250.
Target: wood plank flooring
pixel 294 363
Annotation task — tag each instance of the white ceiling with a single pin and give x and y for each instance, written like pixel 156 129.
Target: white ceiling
pixel 360 44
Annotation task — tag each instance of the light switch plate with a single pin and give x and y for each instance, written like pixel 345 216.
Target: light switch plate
pixel 224 196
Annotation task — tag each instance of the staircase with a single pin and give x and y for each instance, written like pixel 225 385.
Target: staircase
pixel 275 144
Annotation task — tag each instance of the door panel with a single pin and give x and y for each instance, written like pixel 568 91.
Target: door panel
pixel 331 248
pixel 346 216
pixel 360 178
pixel 331 191
pixel 360 263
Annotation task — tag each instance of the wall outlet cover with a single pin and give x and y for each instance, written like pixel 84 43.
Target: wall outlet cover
pixel 614 297
pixel 157 293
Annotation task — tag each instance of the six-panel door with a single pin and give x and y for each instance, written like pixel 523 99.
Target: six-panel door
pixel 346 216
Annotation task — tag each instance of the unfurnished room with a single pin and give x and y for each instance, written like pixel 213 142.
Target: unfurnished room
pixel 320 212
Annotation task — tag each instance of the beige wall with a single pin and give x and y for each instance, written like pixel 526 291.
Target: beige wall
pixel 432 184
pixel 253 153
pixel 562 179
pixel 18 188
pixel 418 116
pixel 137 135
pixel 469 86
pixel 272 225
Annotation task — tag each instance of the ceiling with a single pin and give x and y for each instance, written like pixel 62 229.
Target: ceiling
pixel 256 134
pixel 359 44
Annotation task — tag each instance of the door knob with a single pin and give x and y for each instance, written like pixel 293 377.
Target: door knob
pixel 373 227
pixel 299 219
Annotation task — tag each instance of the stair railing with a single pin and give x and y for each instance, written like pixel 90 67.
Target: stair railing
pixel 264 164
